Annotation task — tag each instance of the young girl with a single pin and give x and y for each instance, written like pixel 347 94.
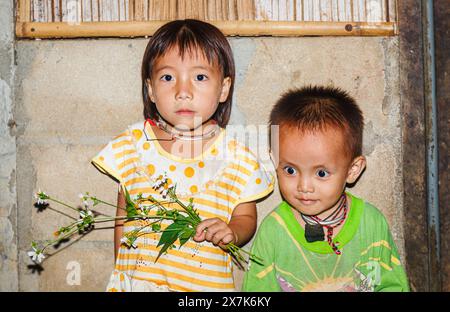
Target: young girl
pixel 187 86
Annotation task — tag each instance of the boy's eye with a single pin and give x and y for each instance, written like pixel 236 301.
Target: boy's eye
pixel 201 77
pixel 322 173
pixel 289 170
pixel 167 78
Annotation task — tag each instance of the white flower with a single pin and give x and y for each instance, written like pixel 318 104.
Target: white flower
pixel 84 198
pixel 161 181
pixel 86 213
pixel 41 198
pixel 36 255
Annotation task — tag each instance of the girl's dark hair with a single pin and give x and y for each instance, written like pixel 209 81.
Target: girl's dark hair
pixel 314 108
pixel 189 36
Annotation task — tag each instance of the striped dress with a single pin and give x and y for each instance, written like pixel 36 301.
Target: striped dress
pixel 223 176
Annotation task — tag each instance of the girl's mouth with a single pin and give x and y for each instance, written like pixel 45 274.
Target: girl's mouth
pixel 185 112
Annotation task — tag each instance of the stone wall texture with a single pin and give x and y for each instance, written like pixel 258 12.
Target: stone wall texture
pixel 72 96
pixel 8 198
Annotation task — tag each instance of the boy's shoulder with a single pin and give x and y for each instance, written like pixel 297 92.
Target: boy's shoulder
pixel 276 216
pixel 371 215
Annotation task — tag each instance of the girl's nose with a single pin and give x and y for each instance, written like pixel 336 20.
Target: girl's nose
pixel 305 185
pixel 184 90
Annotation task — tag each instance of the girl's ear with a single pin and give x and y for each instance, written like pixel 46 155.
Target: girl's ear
pixel 356 168
pixel 226 84
pixel 150 90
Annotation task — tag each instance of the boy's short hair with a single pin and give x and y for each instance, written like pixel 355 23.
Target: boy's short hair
pixel 315 108
pixel 188 36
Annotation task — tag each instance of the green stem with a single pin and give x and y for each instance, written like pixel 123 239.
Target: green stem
pixel 61 203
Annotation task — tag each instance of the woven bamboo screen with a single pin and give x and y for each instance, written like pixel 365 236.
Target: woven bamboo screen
pixel 130 18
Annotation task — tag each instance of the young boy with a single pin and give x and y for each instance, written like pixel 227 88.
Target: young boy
pixel 322 238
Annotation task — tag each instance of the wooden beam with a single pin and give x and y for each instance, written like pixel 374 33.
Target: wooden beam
pixel 413 144
pixel 442 46
pixel 229 28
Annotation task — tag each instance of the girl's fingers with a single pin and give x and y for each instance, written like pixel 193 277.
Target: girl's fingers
pixel 204 225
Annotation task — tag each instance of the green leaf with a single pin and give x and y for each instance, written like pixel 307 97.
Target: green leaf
pixel 156 227
pixel 185 235
pixel 130 207
pixel 170 235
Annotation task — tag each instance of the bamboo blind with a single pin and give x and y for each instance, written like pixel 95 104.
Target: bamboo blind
pixel 88 18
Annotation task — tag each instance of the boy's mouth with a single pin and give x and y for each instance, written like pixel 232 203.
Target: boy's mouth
pixel 306 201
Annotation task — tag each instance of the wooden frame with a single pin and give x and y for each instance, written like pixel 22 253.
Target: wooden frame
pixel 25 28
pixel 240 28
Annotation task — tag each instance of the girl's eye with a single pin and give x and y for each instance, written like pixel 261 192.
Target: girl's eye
pixel 322 173
pixel 167 78
pixel 201 77
pixel 289 170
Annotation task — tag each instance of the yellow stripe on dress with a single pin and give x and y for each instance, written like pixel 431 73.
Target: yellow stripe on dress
pixel 235 178
pixel 207 272
pixel 129 172
pixel 136 180
pixel 173 252
pixel 124 153
pixel 229 187
pixel 220 195
pixel 240 169
pixel 162 282
pixel 249 161
pixel 121 143
pixel 127 162
pixel 180 277
pixel 212 204
pixel 189 245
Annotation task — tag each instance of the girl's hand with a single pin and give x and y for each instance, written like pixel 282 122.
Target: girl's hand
pixel 215 231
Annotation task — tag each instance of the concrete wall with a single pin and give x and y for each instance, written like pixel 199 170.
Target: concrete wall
pixel 8 199
pixel 72 96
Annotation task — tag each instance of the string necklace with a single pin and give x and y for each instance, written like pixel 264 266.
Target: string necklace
pixel 174 134
pixel 314 225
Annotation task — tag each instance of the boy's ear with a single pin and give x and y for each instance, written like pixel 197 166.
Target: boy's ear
pixel 226 85
pixel 356 168
pixel 150 90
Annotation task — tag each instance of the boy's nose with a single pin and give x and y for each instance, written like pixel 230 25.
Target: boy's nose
pixel 184 90
pixel 305 185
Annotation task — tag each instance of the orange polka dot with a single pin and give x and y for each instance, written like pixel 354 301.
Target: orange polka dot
pixel 137 134
pixel 193 189
pixel 151 169
pixel 258 181
pixel 214 151
pixel 232 145
pixel 201 164
pixel 122 278
pixel 102 158
pixel 172 168
pixel 113 290
pixel 189 172
pixel 169 181
pixel 146 145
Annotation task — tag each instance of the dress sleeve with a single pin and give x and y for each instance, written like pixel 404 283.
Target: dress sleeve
pixel 262 276
pixel 105 161
pixel 260 182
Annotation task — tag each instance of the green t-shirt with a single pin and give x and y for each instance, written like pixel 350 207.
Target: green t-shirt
pixel 369 259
